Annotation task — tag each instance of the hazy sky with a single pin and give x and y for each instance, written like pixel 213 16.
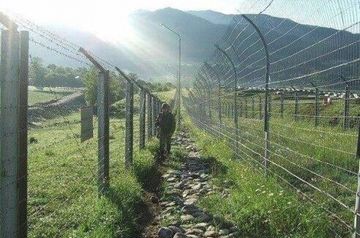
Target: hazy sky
pixel 102 17
pixel 82 11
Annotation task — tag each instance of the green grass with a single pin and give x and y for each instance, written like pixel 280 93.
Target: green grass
pixel 309 152
pixel 44 96
pixel 259 206
pixel 330 115
pixel 63 193
pixel 63 196
pixel 166 96
pixel 118 107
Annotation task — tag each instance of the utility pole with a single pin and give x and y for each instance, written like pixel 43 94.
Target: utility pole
pixel 179 76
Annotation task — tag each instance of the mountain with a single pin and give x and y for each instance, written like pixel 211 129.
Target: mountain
pixel 214 17
pixel 297 51
pixel 198 35
pixel 87 40
pixel 152 50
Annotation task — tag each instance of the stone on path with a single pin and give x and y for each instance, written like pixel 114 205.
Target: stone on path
pixel 186 186
pixel 165 233
pixel 180 235
pixel 186 218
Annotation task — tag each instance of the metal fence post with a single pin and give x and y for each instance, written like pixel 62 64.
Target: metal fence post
pixel 266 109
pixel 129 124
pixel 218 89
pixel 296 115
pixel 155 112
pixel 317 107
pixel 260 108
pixel 270 104
pixel 23 143
pixel 241 108
pixel 232 111
pixel 103 130
pixel 357 202
pixel 219 104
pixel 346 106
pixel 209 104
pixel 267 117
pixel 253 107
pixel 236 122
pixel 201 110
pixel 282 98
pixel 9 132
pixel 149 116
pixel 246 107
pixel 154 115
pixel 142 119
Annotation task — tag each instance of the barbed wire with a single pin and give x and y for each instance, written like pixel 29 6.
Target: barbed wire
pixel 299 55
pixel 61 122
pixel 237 143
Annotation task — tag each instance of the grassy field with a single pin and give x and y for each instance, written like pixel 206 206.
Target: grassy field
pixel 166 96
pixel 331 114
pixel 259 206
pixel 63 200
pixel 63 195
pixel 302 157
pixel 44 96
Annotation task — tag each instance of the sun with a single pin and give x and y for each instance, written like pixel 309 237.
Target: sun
pixel 109 22
pixel 120 32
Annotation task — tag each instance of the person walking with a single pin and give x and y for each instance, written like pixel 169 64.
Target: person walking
pixel 165 122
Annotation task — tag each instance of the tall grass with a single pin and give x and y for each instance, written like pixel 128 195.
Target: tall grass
pixel 63 194
pixel 259 206
pixel 322 156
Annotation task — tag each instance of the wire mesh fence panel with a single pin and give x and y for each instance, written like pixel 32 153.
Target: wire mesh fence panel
pixel 63 171
pixel 286 83
pixel 62 139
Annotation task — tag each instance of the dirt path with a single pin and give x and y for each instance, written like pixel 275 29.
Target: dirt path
pixel 179 214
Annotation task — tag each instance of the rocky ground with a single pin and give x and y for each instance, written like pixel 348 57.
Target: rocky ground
pixel 179 214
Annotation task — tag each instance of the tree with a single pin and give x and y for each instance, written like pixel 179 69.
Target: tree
pixel 90 82
pixel 37 72
pixel 54 76
pixel 116 87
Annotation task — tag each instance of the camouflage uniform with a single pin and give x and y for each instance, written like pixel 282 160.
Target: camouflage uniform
pixel 166 126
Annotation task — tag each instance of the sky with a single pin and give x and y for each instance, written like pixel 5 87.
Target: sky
pixel 98 17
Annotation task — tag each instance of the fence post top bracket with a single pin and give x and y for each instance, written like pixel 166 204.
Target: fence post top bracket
pixel 92 60
pixel 7 22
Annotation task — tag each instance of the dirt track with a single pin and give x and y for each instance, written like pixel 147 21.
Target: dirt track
pixel 54 108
